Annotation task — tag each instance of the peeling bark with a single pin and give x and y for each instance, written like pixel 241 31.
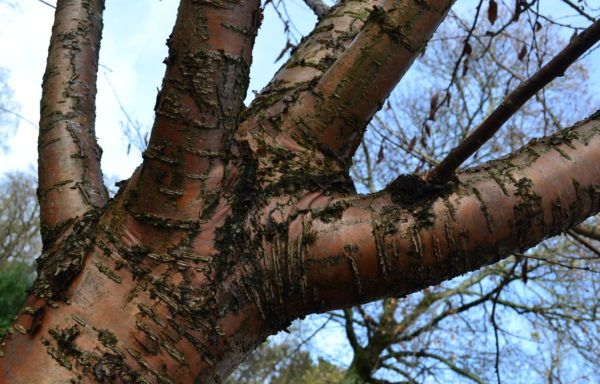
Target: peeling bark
pixel 236 225
pixel 70 178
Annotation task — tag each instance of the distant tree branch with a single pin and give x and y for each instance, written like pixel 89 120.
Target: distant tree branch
pixel 590 232
pixel 19 116
pixel 583 242
pixel 578 10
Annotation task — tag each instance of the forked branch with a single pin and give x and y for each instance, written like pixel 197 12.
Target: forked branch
pixel 70 178
pixel 553 69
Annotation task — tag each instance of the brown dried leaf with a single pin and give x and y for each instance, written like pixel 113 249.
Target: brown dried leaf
pixel 522 53
pixel 412 143
pixel 427 130
pixel 493 11
pixel 381 154
pixel 524 270
pixel 467 48
pixel 433 106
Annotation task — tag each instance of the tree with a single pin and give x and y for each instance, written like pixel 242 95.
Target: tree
pixel 284 362
pixel 242 219
pixel 7 109
pixel 20 242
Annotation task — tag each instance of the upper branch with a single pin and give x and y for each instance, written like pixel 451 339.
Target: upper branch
pixel 413 235
pixel 210 52
pixel 319 103
pixel 70 178
pixel 336 112
pixel 310 59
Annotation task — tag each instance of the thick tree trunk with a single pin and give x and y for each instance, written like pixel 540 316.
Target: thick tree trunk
pixel 239 221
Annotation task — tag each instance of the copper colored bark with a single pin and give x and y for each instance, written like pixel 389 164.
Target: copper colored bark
pixel 230 230
pixel 70 178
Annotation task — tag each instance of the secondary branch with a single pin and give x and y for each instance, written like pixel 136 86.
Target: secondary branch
pixel 210 52
pixel 335 114
pixel 70 178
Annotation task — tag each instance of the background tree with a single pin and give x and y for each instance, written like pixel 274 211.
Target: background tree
pixel 240 220
pixel 8 110
pixel 20 242
pixel 285 361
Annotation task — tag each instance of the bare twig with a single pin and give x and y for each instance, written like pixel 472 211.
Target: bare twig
pixel 583 242
pixel 554 68
pixel 318 7
pixel 48 4
pixel 18 116
pixel 579 10
pixel 501 286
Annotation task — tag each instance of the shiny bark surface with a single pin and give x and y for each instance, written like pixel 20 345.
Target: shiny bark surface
pixel 241 220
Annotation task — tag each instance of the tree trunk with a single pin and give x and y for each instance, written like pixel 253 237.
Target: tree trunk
pixel 239 221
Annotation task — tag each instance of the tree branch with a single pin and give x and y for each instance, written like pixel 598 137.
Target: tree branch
pixel 553 69
pixel 46 3
pixel 70 178
pixel 583 242
pixel 461 371
pixel 210 51
pixel 308 62
pixel 336 113
pixel 390 242
pixel 349 328
pixel 318 7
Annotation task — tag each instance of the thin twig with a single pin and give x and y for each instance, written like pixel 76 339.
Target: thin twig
pixel 554 68
pixel 501 286
pixel 579 10
pixel 20 117
pixel 583 242
pixel 589 232
pixel 48 4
